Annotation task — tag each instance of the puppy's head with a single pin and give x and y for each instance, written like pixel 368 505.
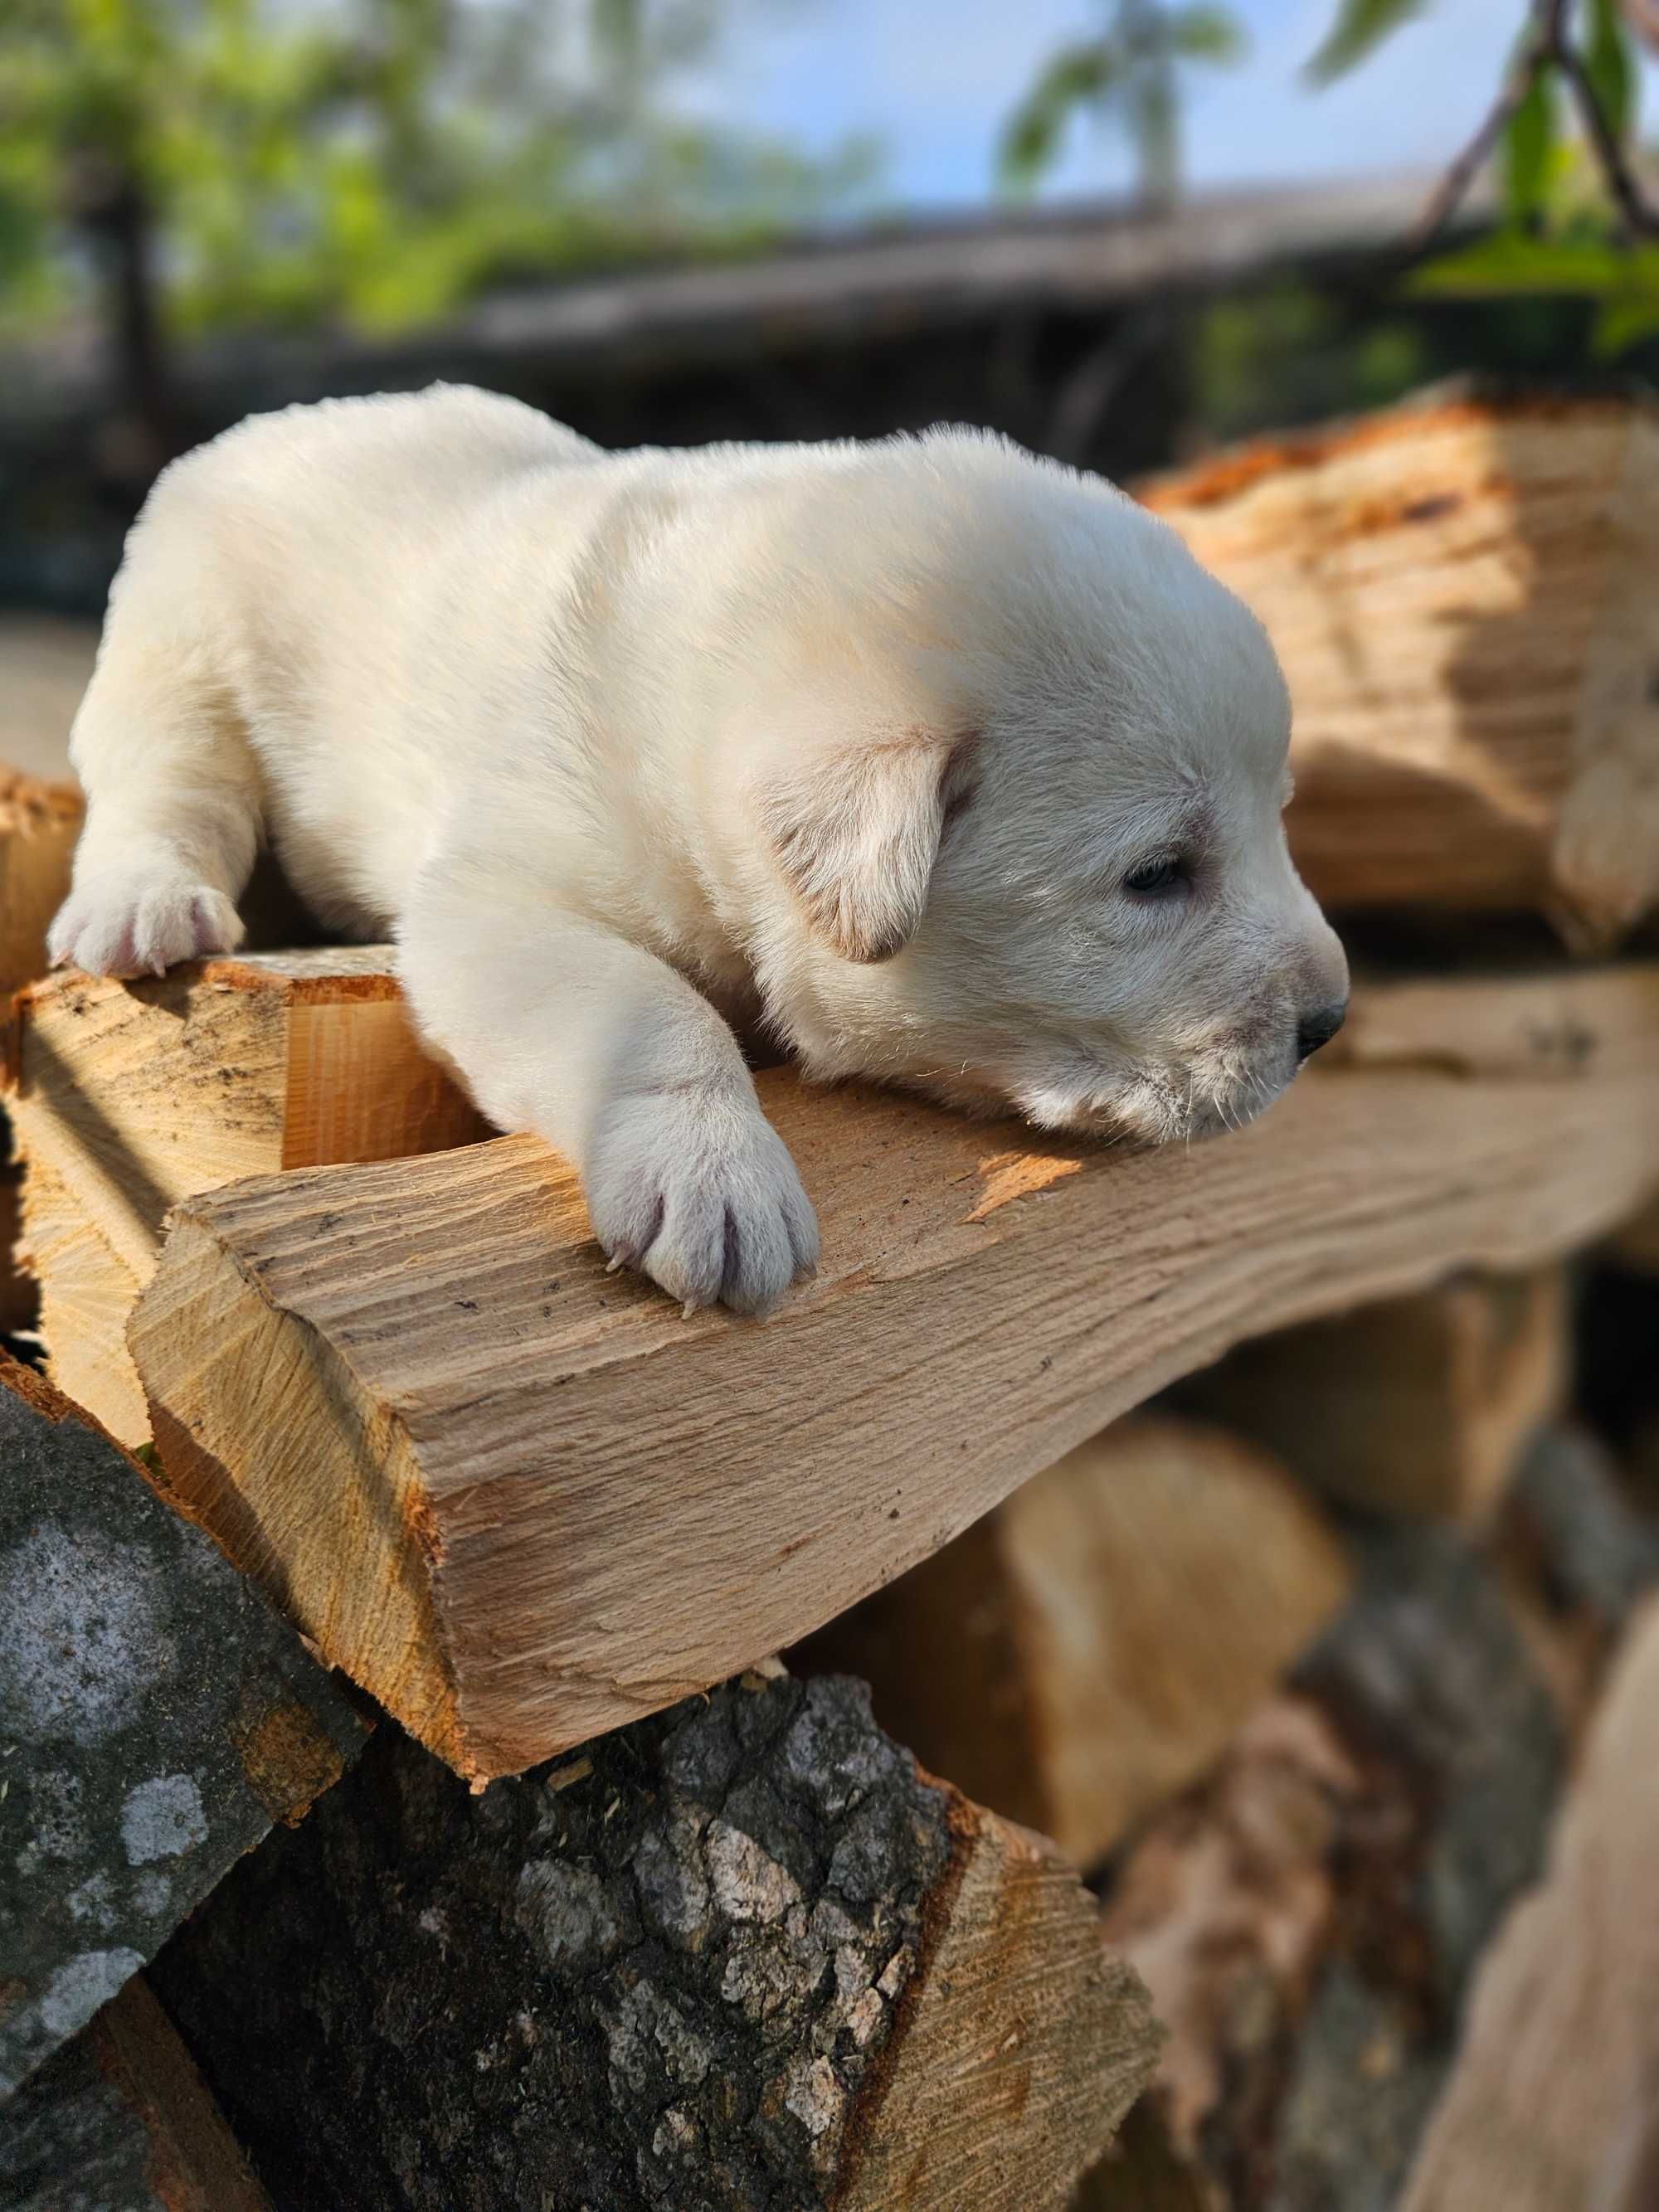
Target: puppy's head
pixel 1025 809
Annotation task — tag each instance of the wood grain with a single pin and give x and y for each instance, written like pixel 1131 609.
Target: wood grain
pixel 39 822
pixel 1462 598
pixel 126 1097
pixel 1087 1649
pixel 523 1500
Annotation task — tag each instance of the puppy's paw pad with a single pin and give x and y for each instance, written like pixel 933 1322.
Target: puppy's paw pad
pixel 701 1196
pixel 142 925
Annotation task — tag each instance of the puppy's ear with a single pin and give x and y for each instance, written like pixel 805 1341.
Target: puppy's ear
pixel 855 830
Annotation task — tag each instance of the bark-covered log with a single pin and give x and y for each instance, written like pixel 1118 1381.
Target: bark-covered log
pixel 157 1719
pixel 1577 1556
pixel 1308 1917
pixel 1417 1405
pixel 739 1958
pixel 127 1097
pixel 1554 2103
pixel 521 1500
pixel 1463 597
pixel 119 2120
pixel 1090 1647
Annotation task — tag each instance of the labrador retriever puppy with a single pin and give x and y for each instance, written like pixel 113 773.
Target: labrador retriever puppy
pixel 950 765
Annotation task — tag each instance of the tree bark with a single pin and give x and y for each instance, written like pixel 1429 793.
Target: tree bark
pixel 1308 1917
pixel 742 1956
pixel 159 1720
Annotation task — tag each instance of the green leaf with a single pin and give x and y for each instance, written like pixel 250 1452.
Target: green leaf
pixel 1528 142
pixel 1514 263
pixel 1626 322
pixel 1077 76
pixel 1205 34
pixel 1608 64
pixel 1360 29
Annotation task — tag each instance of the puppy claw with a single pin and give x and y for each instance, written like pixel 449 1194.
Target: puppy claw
pixel 699 1192
pixel 140 922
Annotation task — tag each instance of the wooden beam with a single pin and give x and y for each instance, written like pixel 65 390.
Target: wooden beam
pixel 1462 596
pixel 522 1500
pixel 1555 2098
pixel 937 278
pixel 120 2117
pixel 126 1097
pixel 158 1719
pixel 1424 1404
pixel 743 1953
pixel 1086 1649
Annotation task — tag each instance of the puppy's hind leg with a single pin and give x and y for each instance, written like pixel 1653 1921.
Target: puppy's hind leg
pixel 173 805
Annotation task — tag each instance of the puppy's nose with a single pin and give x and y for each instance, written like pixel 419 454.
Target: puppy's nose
pixel 1318 1027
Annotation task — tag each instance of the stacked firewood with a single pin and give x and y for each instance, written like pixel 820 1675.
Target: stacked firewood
pixel 409 1808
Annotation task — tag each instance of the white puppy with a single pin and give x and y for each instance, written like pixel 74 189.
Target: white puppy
pixel 950 764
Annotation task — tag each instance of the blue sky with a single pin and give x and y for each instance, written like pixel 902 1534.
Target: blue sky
pixel 933 80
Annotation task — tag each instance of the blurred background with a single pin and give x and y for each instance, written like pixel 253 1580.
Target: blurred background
pixel 1121 230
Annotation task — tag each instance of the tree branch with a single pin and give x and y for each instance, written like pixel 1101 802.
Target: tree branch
pixel 1620 177
pixel 1547 46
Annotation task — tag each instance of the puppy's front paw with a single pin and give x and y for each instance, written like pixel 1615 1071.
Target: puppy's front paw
pixel 700 1193
pixel 141 924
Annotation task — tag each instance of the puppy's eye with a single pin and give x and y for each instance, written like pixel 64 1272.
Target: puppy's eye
pixel 1158 877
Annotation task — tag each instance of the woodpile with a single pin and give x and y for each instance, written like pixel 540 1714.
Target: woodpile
pixel 1009 1658
pixel 482 1540
pixel 1422 1404
pixel 1266 1530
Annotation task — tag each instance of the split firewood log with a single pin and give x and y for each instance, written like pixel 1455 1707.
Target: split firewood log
pixel 740 1955
pixel 1553 2104
pixel 1090 1647
pixel 1424 1404
pixel 521 1500
pixel 127 1097
pixel 39 822
pixel 1462 594
pixel 119 2120
pixel 157 1719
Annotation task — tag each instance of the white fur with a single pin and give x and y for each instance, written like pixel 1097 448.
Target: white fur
pixel 863 740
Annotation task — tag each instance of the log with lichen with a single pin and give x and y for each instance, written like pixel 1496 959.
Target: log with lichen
pixel 740 1955
pixel 157 1720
